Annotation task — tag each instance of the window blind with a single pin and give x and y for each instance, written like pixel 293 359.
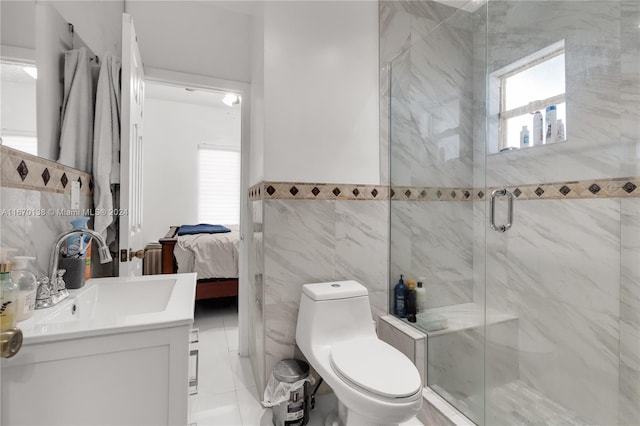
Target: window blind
pixel 219 185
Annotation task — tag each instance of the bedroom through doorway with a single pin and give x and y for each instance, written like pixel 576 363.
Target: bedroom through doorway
pixel 193 175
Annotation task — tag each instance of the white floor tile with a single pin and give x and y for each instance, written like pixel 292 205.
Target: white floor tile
pixel 232 339
pixel 230 320
pixel 251 410
pixel 215 410
pixel 242 372
pixel 215 373
pixel 214 339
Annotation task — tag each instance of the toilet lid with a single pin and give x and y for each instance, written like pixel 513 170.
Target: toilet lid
pixel 376 366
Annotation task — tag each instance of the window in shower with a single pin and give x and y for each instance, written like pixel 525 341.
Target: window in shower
pixel 529 100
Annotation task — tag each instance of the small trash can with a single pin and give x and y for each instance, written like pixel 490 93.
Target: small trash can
pixel 295 411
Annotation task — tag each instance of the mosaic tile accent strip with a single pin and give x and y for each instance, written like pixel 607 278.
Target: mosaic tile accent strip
pixel 316 191
pixel 25 171
pixel 597 188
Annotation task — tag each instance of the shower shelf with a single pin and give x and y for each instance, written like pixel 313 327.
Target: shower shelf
pixel 466 316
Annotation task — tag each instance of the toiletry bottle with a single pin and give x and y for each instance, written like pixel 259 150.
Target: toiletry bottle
pixel 78 223
pixel 411 301
pixel 421 295
pixel 560 134
pixel 400 299
pixel 524 137
pixel 537 128
pixel 551 118
pixel 27 286
pixel 8 297
pixel 77 244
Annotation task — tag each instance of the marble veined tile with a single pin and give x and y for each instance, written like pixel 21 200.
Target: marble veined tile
pixel 568 251
pixel 570 354
pixel 298 247
pixel 361 237
pixel 442 250
pixel 395 30
pixel 630 313
pixel 441 113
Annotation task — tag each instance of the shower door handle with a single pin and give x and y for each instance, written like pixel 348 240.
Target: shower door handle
pixel 492 209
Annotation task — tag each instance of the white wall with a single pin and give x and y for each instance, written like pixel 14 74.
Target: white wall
pixel 321 92
pixel 18 107
pixel 17 27
pixel 195 37
pixel 99 23
pixel 173 131
pixel 256 166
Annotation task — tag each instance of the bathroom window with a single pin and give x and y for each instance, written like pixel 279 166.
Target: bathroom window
pixel 531 85
pixel 219 185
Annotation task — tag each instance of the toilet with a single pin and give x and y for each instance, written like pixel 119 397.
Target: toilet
pixel 375 383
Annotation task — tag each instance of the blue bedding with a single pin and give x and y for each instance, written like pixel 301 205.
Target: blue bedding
pixel 202 228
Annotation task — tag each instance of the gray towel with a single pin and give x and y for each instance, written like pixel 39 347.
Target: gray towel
pixel 76 132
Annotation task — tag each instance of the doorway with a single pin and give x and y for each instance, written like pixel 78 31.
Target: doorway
pixel 203 120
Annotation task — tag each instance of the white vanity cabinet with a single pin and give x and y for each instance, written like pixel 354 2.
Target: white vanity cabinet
pixel 115 353
pixel 138 378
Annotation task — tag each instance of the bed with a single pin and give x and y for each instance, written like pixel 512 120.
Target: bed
pixel 213 256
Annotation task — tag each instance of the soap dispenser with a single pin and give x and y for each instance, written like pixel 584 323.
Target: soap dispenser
pixel 400 299
pixel 27 286
pixel 8 297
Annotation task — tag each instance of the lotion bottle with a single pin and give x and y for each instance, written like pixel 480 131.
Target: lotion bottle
pixel 537 128
pixel 400 299
pixel 524 137
pixel 421 295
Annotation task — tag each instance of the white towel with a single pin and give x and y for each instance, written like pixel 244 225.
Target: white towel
pixel 106 144
pixel 76 131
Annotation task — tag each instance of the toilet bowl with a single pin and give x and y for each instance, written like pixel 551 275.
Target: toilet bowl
pixel 375 383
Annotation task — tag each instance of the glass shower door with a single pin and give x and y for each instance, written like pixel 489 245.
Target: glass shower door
pixel 543 319
pixel 436 210
pixel 565 271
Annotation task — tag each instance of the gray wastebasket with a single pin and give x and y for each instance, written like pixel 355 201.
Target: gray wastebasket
pixel 295 411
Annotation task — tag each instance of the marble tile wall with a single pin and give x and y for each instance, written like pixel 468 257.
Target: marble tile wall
pixel 629 361
pixel 256 293
pixel 558 270
pixel 407 339
pixel 308 241
pixel 601 88
pixel 426 114
pixel 435 241
pixel 561 268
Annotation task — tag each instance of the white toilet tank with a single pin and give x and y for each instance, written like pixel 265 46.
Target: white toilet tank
pixel 333 311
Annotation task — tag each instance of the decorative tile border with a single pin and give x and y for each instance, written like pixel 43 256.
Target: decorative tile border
pixel 585 189
pixel 598 188
pixel 25 171
pixel 317 191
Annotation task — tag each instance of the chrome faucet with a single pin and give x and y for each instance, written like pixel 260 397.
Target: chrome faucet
pixel 51 289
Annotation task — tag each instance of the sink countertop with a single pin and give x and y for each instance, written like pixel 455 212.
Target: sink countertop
pixel 115 305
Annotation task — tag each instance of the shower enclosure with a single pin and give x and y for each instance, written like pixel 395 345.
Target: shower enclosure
pixel 527 239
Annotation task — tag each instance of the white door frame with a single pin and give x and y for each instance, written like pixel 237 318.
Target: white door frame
pixel 172 78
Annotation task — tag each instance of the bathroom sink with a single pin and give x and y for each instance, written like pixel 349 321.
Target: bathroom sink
pixel 114 305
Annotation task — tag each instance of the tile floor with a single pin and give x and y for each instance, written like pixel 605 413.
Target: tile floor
pixel 227 393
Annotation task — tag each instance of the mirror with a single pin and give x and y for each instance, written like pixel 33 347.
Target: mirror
pixel 34 39
pixel 18 75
